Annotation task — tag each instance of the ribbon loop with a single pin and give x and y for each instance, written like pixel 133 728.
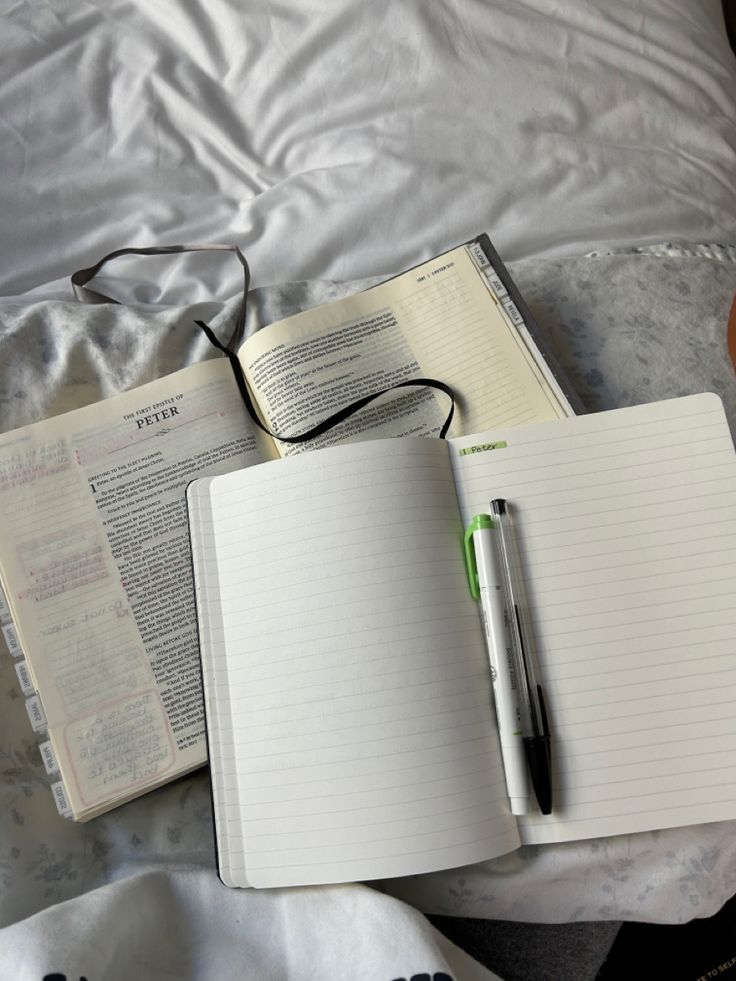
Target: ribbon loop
pixel 86 295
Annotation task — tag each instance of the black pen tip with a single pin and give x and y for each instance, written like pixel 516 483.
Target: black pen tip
pixel 540 769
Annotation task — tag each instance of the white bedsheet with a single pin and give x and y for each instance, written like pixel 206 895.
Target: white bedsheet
pixel 341 139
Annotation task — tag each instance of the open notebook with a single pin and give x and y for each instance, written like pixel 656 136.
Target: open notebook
pixel 349 712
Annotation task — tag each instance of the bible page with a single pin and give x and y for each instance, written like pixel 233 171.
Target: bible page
pixel 446 320
pixel 357 713
pixel 95 558
pixel 628 531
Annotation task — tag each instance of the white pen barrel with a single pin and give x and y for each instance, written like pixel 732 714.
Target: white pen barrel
pixel 505 692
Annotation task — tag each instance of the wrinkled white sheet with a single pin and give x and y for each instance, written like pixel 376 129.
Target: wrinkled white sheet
pixel 341 139
pixel 162 926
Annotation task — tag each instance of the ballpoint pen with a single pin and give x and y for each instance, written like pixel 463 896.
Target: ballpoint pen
pixel 485 585
pixel 535 727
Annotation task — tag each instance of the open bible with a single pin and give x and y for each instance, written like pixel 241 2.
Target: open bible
pixel 94 556
pixel 347 685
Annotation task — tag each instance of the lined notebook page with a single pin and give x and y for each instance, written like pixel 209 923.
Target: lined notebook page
pixel 628 526
pixel 352 692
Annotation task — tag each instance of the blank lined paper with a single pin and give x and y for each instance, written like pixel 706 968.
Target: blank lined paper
pixel 628 527
pixel 346 677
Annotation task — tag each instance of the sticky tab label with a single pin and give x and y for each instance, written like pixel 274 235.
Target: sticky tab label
pixel 478 255
pixel 48 757
pixel 495 283
pixel 513 312
pixel 11 639
pixel 60 799
pixel 36 713
pixel 24 678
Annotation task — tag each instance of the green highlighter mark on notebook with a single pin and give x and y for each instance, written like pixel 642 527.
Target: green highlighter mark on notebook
pixel 483 447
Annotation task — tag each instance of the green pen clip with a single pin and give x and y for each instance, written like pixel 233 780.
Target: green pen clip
pixel 478 522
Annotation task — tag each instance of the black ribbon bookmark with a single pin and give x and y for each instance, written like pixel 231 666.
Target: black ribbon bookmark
pixel 84 294
pixel 337 417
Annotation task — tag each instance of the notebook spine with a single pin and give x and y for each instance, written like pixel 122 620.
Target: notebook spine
pixel 34 707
